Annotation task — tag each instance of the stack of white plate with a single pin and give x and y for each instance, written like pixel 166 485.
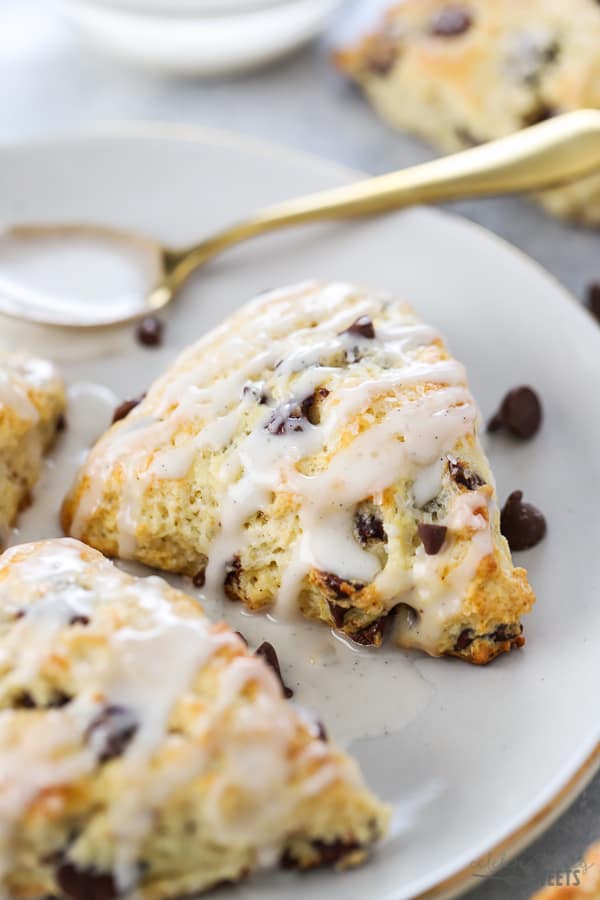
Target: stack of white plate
pixel 205 37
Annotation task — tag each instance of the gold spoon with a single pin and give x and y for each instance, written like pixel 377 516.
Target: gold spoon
pixel 545 155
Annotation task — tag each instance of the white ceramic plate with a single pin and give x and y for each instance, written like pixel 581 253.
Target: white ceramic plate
pixel 487 757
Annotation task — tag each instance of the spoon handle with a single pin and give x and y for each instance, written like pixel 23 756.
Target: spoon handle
pixel 541 156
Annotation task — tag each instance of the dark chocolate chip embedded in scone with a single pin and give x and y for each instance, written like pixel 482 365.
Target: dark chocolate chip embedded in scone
pixel 461 72
pixel 350 485
pixel 144 751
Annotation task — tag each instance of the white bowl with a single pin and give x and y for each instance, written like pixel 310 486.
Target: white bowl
pixel 193 36
pixel 196 7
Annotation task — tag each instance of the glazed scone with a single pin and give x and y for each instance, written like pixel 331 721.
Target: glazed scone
pixel 144 752
pixel 32 404
pixel 463 73
pixel 319 452
pixel 586 884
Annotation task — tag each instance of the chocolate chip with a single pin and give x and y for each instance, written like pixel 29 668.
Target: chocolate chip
pixel 85 884
pixel 372 635
pixel 125 408
pixel 363 327
pixel 341 587
pixel 199 579
pixel 466 137
pixel 310 405
pixel 26 501
pixel 149 331
pixel 231 583
pixel 500 635
pixel 522 524
pixel 267 652
pixel 61 422
pixel 79 620
pixel 294 415
pixel 321 731
pixel 327 854
pixel 338 613
pixel 369 528
pixel 433 536
pixel 256 391
pixel 58 700
pixel 451 21
pixel 463 475
pixel 330 854
pixel 111 731
pixel 550 52
pixel 520 413
pixel 286 419
pixel 288 860
pixel 24 700
pixel 540 113
pixel 381 55
pixel 505 633
pixel 593 299
pixel 465 638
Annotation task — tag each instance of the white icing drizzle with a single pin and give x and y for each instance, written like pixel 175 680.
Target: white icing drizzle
pixel 19 375
pixel 298 340
pixel 27 770
pixel 88 406
pixel 150 656
pixel 439 584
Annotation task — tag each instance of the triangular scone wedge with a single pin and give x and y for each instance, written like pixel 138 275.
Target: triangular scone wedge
pixel 32 403
pixel 143 750
pixel 318 451
pixel 460 74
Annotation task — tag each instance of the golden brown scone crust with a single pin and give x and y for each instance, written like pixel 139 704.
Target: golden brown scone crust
pixel 144 749
pixel 308 466
pixel 588 887
pixel 515 64
pixel 32 404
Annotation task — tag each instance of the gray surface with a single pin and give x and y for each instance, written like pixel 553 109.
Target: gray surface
pixel 49 83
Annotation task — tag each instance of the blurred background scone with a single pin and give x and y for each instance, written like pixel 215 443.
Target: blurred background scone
pixel 461 73
pixel 144 751
pixel 32 404
pixel 317 452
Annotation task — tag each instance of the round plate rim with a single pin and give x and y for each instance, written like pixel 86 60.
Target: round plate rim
pixel 520 837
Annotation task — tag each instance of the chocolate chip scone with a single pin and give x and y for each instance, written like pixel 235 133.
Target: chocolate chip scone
pixel 583 880
pixel 461 73
pixel 317 452
pixel 32 404
pixel 144 751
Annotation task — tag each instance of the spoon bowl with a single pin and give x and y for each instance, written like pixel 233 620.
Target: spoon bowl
pixel 77 275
